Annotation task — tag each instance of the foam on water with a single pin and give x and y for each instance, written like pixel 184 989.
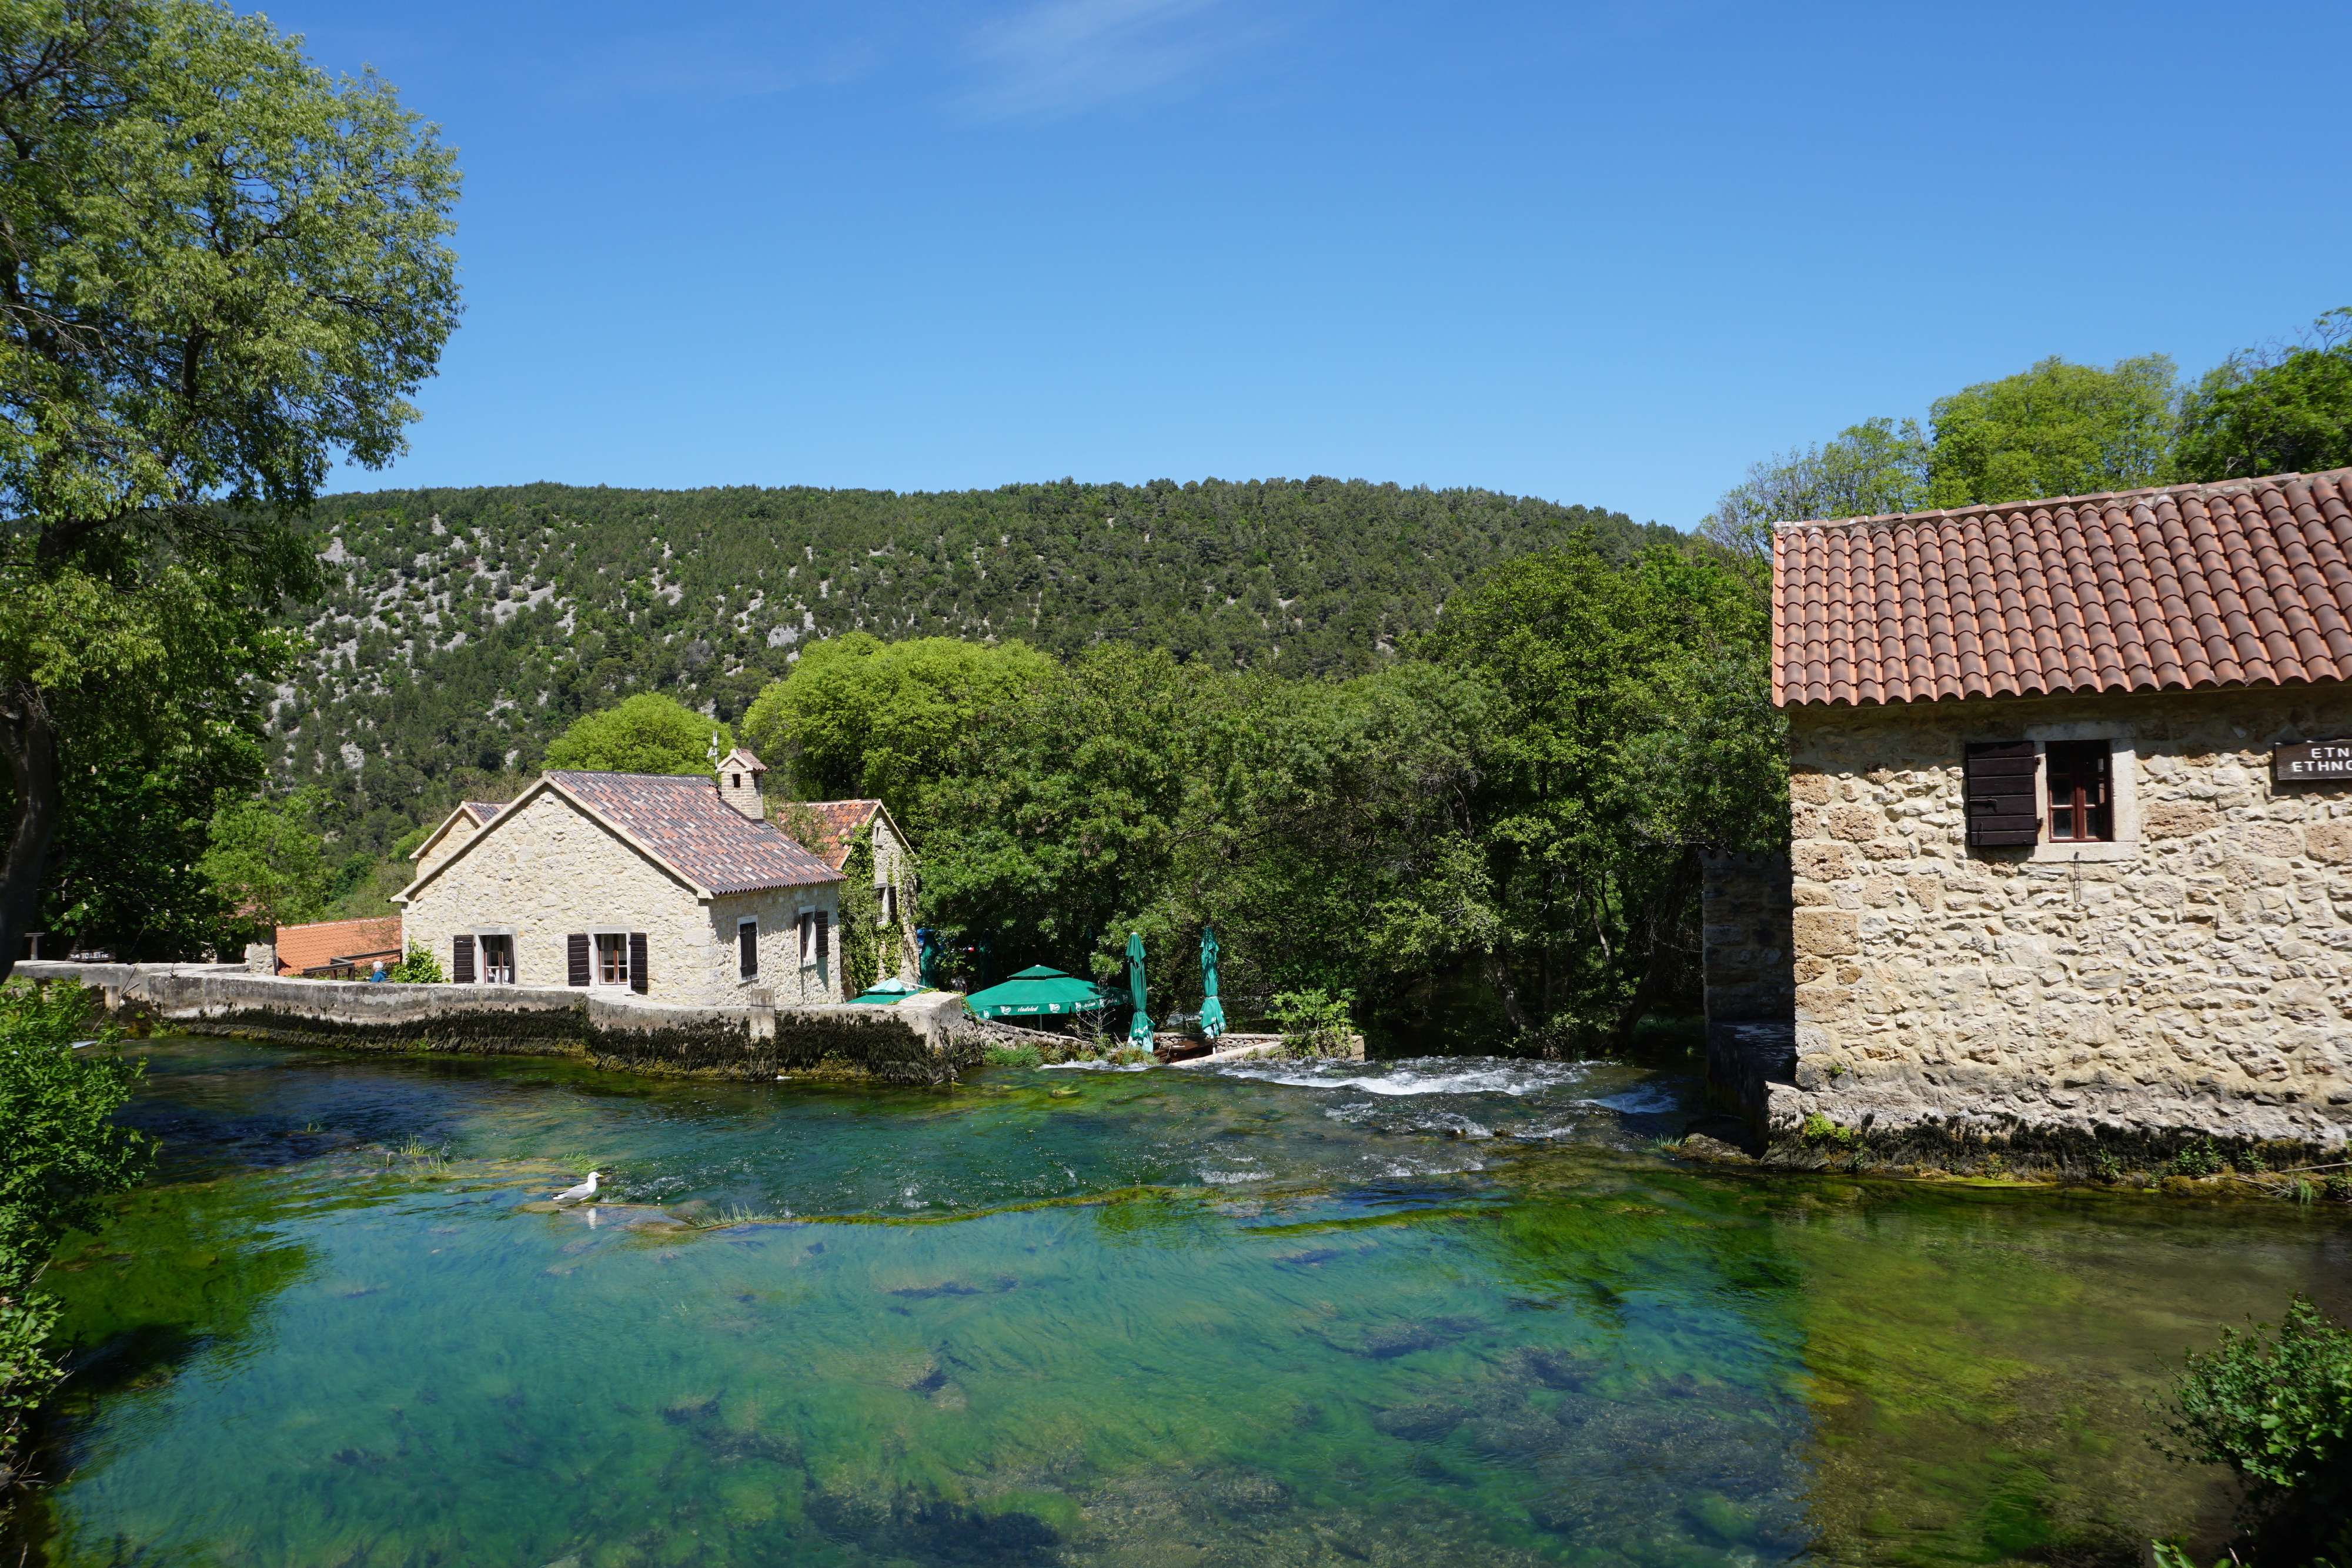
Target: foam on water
pixel 1422 1075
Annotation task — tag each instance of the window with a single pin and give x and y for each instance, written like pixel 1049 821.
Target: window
pixel 737 778
pixel 2081 804
pixel 747 947
pixel 889 904
pixel 611 958
pixel 816 936
pixel 498 961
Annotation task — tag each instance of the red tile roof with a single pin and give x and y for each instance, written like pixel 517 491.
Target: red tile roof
pixel 837 823
pixel 685 824
pixel 315 946
pixel 2244 583
pixel 483 810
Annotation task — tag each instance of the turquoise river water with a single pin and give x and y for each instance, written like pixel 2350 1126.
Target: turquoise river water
pixel 1452 1312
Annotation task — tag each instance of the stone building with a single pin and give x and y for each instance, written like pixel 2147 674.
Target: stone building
pixel 676 888
pixel 2061 856
pixel 829 828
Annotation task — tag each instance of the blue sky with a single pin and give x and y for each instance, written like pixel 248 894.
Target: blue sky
pixel 1599 253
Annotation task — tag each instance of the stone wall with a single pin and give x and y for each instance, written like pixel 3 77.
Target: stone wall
pixel 546 869
pixel 915 1041
pixel 2192 978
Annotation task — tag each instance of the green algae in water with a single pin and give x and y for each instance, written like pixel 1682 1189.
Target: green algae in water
pixel 1432 1313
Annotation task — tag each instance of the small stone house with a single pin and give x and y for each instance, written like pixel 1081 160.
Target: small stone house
pixel 830 829
pixel 2068 847
pixel 675 888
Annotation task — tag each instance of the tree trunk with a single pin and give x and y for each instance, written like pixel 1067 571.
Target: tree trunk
pixel 29 739
pixel 1663 918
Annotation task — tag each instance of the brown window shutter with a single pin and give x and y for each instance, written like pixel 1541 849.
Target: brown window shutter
pixel 823 935
pixel 576 950
pixel 637 961
pixel 2001 795
pixel 461 965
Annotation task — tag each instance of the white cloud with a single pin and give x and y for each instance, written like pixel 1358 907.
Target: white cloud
pixel 1059 57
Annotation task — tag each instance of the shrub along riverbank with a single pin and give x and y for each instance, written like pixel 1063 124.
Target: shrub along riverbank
pixel 60 1153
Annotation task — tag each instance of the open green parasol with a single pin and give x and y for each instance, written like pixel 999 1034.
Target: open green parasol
pixel 1039 990
pixel 1138 1033
pixel 1212 1012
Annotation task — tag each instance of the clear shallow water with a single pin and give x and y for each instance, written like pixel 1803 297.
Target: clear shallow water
pixel 1426 1313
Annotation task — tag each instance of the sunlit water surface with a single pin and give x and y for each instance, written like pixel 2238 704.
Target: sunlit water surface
pixel 1433 1311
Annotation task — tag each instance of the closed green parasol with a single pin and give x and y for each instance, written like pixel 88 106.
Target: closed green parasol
pixel 1138 1033
pixel 1212 1012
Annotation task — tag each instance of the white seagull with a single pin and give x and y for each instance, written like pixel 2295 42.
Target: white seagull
pixel 585 1189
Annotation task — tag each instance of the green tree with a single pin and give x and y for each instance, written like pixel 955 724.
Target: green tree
pixel 2055 429
pixel 219 269
pixel 1866 469
pixel 2273 412
pixel 860 717
pixel 1061 812
pixel 1632 730
pixel 648 733
pixel 124 873
pixel 265 862
pixel 65 1154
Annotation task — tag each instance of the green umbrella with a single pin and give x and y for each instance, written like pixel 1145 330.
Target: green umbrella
pixel 1212 1012
pixel 1140 1031
pixel 1038 990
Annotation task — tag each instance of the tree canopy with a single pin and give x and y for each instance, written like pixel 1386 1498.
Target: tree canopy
pixel 2282 412
pixel 2053 429
pixel 2062 429
pixel 861 717
pixel 648 733
pixel 219 269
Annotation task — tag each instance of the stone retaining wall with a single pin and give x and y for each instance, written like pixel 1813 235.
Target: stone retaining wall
pixel 914 1041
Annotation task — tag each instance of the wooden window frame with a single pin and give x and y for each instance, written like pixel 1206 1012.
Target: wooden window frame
pixel 746 947
pixel 2081 797
pixel 602 944
pixel 482 940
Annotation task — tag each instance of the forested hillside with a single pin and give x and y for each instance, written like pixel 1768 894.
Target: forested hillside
pixel 463 628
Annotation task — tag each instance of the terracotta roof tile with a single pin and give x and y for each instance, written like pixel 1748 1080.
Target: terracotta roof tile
pixel 316 946
pixel 2246 583
pixel 683 821
pixel 837 822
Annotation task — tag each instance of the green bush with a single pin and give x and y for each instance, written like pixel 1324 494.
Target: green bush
pixel 64 1153
pixel 1012 1056
pixel 419 969
pixel 2278 1411
pixel 1315 1023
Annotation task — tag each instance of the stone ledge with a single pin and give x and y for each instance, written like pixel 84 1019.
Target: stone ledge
pixel 910 1042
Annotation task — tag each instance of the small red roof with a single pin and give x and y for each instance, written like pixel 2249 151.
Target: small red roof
pixel 2243 582
pixel 837 823
pixel 316 946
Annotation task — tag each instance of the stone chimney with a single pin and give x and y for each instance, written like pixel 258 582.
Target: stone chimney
pixel 740 774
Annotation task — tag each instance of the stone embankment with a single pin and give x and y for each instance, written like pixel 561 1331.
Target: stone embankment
pixel 915 1041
